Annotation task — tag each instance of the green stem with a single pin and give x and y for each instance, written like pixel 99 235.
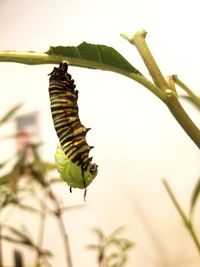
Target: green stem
pixel 182 117
pixel 149 85
pixel 138 39
pixel 194 97
pixel 170 97
pixel 32 58
pixel 186 221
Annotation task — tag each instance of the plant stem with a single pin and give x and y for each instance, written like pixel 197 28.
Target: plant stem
pixel 182 117
pixel 149 85
pixel 186 221
pixel 58 214
pixel 160 88
pixel 170 97
pixel 1 254
pixel 41 230
pixel 193 96
pixel 138 39
pixel 65 241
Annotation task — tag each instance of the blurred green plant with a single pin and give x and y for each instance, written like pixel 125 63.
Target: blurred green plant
pixel 112 251
pixel 29 177
pixel 9 114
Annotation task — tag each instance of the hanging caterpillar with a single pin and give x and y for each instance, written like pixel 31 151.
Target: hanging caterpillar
pixel 72 155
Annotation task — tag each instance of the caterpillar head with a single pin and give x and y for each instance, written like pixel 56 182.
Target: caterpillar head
pixel 72 173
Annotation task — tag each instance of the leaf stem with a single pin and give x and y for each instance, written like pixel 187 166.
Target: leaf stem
pixel 186 221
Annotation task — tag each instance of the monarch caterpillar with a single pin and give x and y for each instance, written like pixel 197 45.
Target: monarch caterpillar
pixel 72 155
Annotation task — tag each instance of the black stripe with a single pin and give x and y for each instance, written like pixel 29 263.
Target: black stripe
pixel 75 149
pixel 76 154
pixel 78 157
pixel 68 137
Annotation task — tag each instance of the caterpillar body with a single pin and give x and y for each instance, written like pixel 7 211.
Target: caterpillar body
pixel 72 155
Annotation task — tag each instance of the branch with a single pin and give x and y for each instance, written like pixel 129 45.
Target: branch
pixel 186 221
pixel 171 98
pixel 182 117
pixel 194 97
pixel 58 214
pixel 138 39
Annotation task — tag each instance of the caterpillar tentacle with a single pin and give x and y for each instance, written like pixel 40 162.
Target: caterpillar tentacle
pixel 72 155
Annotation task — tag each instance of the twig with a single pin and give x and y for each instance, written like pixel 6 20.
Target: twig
pixel 193 96
pixel 186 221
pixel 1 254
pixel 58 214
pixel 41 229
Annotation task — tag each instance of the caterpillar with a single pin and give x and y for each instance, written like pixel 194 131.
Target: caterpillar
pixel 72 155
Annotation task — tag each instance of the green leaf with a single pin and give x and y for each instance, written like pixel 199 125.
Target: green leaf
pixel 26 242
pixel 101 236
pixel 117 231
pixel 195 196
pixel 22 236
pixel 103 56
pixel 9 114
pixel 5 179
pixel 2 164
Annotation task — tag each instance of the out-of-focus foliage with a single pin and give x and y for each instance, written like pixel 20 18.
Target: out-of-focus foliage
pixel 28 174
pixel 10 114
pixel 112 250
pixel 21 237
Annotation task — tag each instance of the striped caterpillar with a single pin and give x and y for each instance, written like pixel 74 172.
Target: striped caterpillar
pixel 72 155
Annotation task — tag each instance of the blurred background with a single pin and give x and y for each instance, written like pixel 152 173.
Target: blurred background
pixel 137 141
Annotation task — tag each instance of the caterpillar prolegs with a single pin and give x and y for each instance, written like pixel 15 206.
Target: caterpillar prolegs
pixel 72 155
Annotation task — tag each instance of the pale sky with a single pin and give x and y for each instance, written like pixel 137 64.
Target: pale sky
pixel 137 141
